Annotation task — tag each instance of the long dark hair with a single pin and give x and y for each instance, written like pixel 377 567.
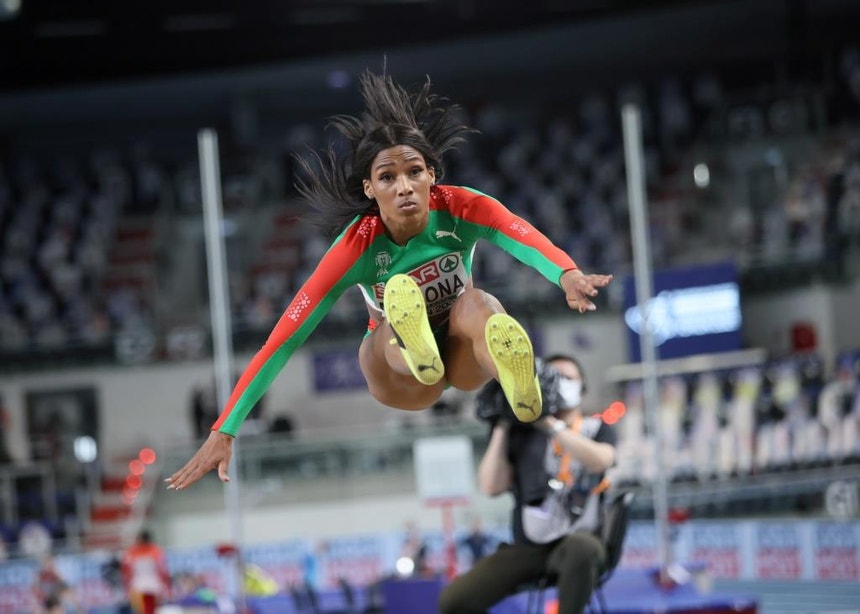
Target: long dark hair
pixel 332 184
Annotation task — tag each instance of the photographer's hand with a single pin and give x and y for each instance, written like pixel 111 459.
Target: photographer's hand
pixel 495 475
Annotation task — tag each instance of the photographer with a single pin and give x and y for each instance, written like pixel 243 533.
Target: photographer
pixel 554 468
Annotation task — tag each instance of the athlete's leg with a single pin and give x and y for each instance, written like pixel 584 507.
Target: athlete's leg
pixel 406 315
pixel 388 377
pixel 484 342
pixel 468 363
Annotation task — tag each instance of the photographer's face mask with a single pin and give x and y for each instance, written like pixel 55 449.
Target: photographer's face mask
pixel 571 392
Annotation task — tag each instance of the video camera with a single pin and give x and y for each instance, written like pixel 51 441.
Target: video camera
pixel 492 406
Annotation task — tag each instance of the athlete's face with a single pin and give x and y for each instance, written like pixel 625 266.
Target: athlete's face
pixel 400 182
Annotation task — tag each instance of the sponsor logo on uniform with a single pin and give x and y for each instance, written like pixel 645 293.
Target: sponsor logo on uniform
pixel 449 263
pixel 441 234
pixel 441 281
pixel 383 261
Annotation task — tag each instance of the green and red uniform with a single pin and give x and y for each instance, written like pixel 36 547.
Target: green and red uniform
pixel 439 259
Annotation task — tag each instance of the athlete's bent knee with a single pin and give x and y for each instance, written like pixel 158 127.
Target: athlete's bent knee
pixel 413 398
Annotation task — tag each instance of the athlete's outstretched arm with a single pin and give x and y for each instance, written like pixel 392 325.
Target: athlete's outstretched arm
pixel 579 288
pixel 502 227
pixel 213 454
pixel 313 300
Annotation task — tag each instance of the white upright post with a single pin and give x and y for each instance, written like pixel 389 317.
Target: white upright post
pixel 634 159
pixel 219 309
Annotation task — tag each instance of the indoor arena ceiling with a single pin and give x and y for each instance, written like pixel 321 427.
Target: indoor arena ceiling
pixel 105 55
pixel 55 42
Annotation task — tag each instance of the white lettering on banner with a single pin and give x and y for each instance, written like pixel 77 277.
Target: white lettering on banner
pixel 689 312
pixel 835 535
pixel 831 553
pixel 777 536
pixel 835 552
pixel 715 536
pixel 354 548
pixel 15 575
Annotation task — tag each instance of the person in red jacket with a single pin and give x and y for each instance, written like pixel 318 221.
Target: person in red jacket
pixel 145 574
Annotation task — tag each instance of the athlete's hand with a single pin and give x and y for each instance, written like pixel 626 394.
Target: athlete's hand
pixel 579 288
pixel 213 454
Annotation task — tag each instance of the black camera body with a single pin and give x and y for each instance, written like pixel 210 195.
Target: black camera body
pixel 492 406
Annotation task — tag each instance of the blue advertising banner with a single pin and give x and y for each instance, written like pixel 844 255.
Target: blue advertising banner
pixel 337 370
pixel 717 545
pixel 835 553
pixel 695 310
pixel 778 551
pixel 743 549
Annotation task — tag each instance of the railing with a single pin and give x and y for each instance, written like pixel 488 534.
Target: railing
pixel 378 459
pixel 363 451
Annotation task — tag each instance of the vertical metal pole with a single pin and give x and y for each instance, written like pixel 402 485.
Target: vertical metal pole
pixel 219 309
pixel 633 156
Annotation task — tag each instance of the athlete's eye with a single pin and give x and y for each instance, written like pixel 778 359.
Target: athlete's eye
pixel 385 177
pixel 417 171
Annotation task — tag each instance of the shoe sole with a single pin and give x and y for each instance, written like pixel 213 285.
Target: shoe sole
pixel 511 350
pixel 407 313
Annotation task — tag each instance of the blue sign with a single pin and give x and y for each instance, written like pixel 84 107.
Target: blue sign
pixel 695 310
pixel 337 370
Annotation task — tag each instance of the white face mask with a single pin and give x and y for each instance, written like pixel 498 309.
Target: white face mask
pixel 571 392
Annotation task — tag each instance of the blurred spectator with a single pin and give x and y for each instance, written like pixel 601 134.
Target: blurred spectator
pixel 477 542
pixel 51 591
pixel 851 71
pixel 5 420
pixel 257 582
pixel 839 412
pixel 111 572
pixel 204 410
pixel 190 591
pixel 145 574
pixel 52 605
pixel 415 549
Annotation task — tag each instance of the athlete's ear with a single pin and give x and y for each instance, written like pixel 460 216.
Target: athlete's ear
pixel 432 172
pixel 368 190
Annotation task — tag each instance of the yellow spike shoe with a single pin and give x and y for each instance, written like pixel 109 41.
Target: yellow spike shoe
pixel 407 313
pixel 511 350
